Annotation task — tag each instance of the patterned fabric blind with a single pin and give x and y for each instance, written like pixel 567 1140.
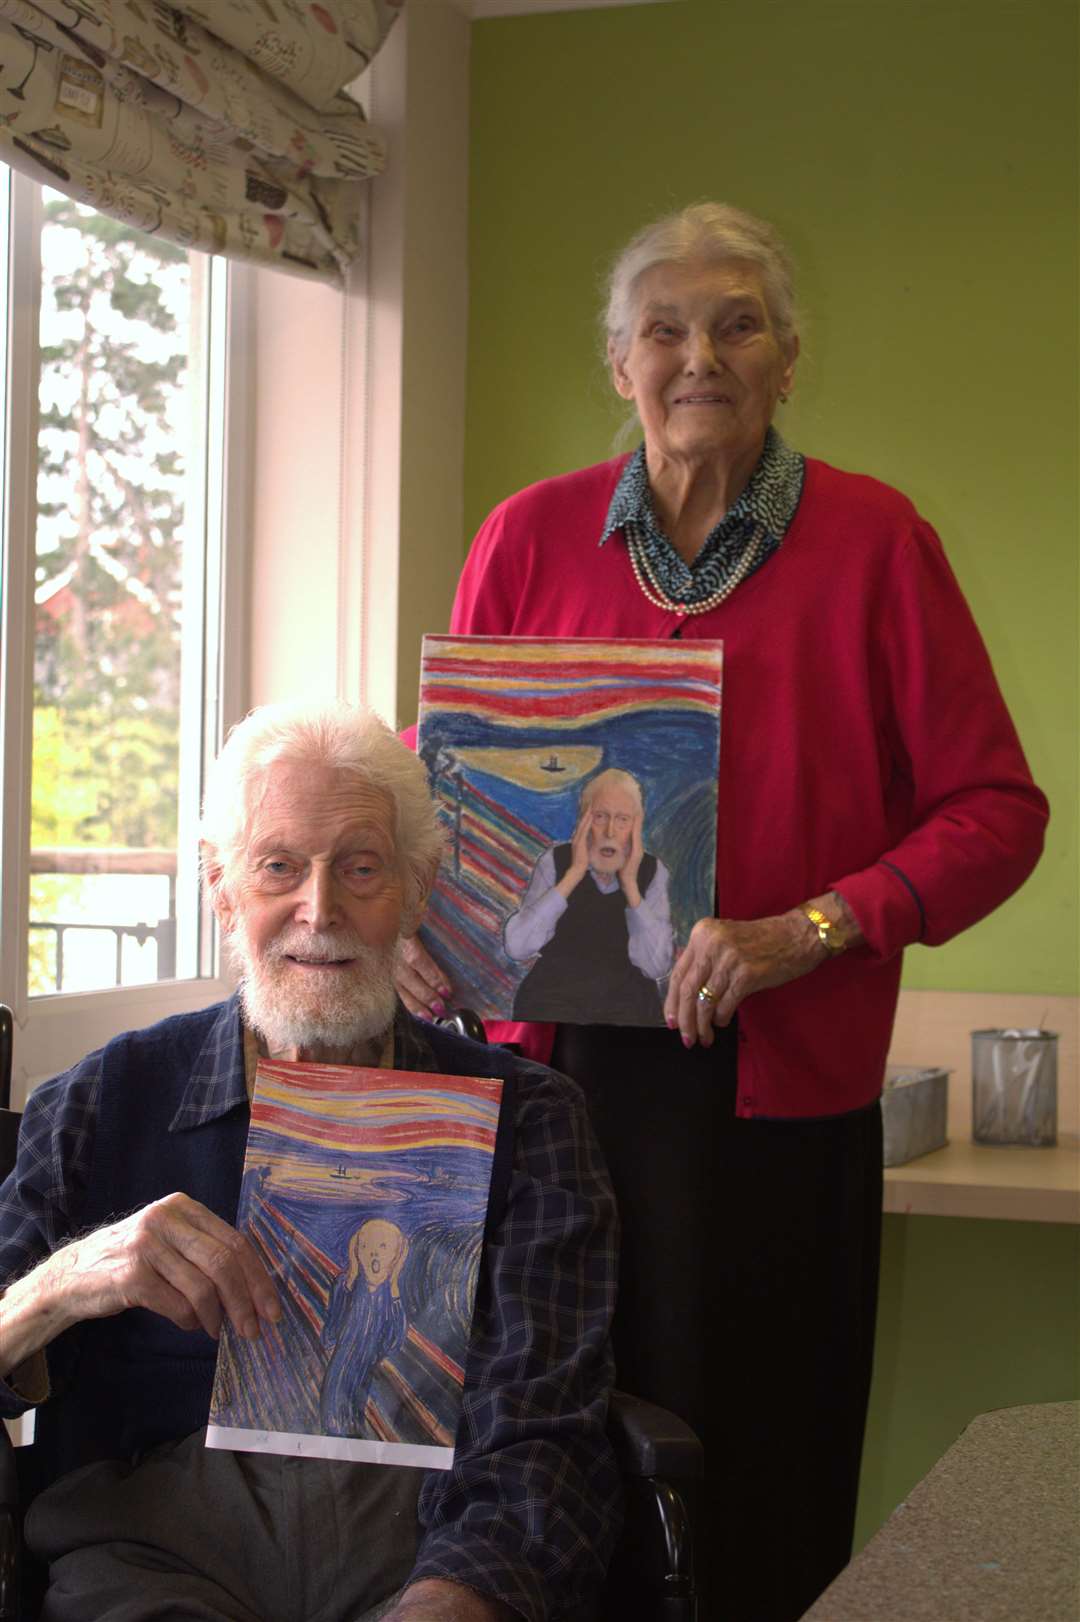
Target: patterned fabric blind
pixel 224 126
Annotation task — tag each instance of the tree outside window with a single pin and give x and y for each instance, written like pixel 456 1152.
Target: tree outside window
pixel 115 416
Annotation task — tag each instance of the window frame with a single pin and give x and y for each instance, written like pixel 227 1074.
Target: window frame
pixel 55 1031
pixel 388 550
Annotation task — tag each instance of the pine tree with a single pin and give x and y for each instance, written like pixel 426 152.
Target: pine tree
pixel 110 530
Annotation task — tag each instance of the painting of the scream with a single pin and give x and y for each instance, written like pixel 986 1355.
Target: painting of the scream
pixel 577 785
pixel 364 1194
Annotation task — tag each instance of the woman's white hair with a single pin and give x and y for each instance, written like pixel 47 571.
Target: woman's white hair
pixel 322 733
pixel 710 231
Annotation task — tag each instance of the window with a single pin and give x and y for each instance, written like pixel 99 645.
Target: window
pixel 120 487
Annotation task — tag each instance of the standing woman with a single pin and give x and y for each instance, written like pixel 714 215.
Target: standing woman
pixel 872 793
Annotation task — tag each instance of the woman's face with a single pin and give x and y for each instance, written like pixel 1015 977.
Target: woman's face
pixel 704 367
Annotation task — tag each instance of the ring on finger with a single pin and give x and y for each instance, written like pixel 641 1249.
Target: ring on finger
pixel 706 994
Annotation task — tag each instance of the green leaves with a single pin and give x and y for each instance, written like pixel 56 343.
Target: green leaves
pixel 104 775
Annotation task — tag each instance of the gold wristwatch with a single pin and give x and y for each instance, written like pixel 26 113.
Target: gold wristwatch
pixel 828 933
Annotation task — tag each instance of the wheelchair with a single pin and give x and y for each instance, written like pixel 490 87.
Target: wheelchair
pixel 652 1575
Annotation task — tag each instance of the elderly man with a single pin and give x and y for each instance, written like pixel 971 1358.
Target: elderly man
pixel 319 847
pixel 596 917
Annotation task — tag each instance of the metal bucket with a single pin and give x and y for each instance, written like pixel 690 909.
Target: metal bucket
pixel 914 1111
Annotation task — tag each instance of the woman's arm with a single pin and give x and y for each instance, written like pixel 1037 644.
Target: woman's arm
pixel 977 821
pixel 969 819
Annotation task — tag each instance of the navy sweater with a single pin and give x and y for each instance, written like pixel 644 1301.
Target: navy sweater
pixel 122 1385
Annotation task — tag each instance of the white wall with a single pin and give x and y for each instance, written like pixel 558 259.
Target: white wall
pixel 358 429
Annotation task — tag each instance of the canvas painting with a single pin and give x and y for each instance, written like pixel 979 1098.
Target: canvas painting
pixel 577 782
pixel 365 1194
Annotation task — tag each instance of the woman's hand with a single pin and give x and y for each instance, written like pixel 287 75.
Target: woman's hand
pixel 735 959
pixel 421 984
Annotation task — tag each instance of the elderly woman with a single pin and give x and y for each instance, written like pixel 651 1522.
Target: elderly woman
pixel 872 793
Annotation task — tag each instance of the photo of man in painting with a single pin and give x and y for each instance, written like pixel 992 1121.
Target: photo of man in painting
pixel 596 916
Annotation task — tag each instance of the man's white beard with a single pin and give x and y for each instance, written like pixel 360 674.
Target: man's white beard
pixel 291 1009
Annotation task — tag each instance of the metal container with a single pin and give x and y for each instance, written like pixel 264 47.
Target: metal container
pixel 914 1110
pixel 1014 1087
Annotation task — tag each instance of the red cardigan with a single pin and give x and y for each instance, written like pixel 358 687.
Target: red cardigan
pixel 865 747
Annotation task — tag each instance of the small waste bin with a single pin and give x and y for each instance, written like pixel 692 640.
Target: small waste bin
pixel 1014 1087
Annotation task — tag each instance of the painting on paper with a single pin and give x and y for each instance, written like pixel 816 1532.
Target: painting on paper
pixel 364 1194
pixel 577 782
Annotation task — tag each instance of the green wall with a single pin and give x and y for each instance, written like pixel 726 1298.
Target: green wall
pixel 922 161
pixel 973 1315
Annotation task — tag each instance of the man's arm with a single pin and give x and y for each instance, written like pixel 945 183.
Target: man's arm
pixel 174 1257
pixel 529 1512
pixel 56 1144
pixel 433 1600
pixel 651 941
pixel 528 930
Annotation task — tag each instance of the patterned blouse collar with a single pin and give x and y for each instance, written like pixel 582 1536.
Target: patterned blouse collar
pixel 769 501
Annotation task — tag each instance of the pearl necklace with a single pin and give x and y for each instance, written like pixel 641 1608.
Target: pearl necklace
pixel 655 594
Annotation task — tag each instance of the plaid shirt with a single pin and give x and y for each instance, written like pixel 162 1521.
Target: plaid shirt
pixel 530 1509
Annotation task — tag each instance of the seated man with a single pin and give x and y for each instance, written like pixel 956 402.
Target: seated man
pixel 320 844
pixel 596 917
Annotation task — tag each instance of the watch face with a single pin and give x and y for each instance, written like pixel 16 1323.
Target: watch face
pixel 827 930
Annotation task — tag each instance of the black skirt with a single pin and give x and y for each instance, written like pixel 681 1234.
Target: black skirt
pixel 747 1297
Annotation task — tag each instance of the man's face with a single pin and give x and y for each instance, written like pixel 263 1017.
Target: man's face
pixel 611 824
pixel 314 910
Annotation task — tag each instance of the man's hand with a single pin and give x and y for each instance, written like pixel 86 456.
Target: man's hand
pixel 628 872
pixel 420 983
pixel 579 857
pixel 174 1257
pixel 435 1600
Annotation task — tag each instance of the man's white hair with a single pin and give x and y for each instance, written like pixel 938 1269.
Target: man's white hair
pixel 612 777
pixel 332 733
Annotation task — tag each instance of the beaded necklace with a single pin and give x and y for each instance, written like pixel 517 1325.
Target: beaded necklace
pixel 655 594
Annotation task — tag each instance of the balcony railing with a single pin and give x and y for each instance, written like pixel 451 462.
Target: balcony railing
pixel 83 861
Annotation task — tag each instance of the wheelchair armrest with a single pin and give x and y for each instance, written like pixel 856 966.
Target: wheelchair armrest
pixel 465 1023
pixel 650 1441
